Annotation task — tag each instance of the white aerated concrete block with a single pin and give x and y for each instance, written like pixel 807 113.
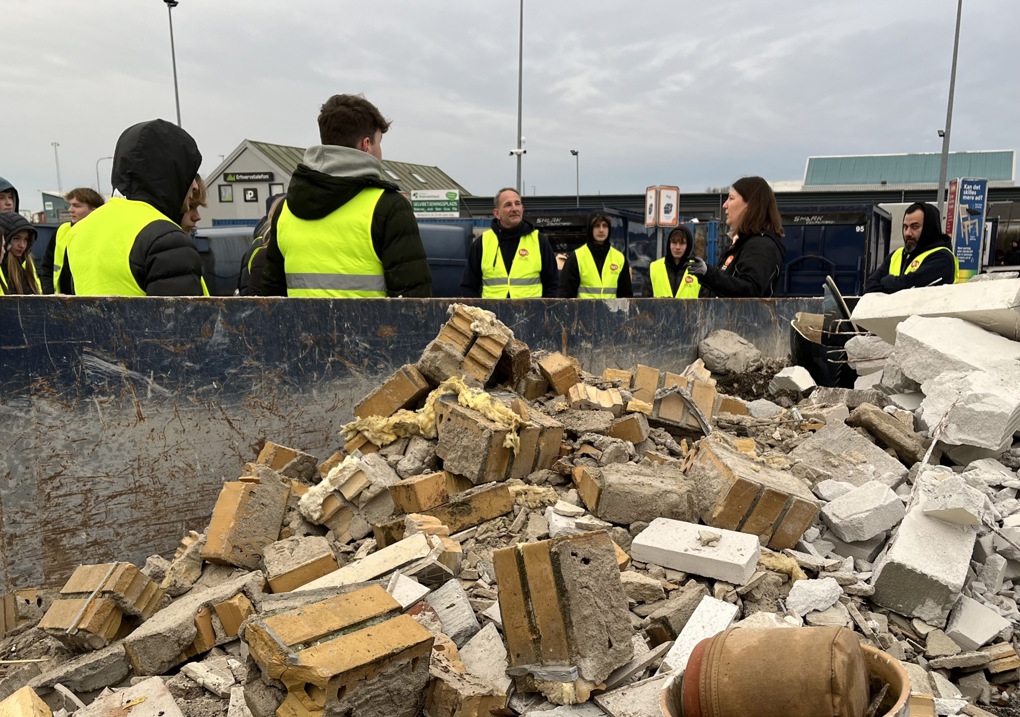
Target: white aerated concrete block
pixel 956 502
pixel 972 625
pixel 692 548
pixel 830 489
pixel 792 378
pixel 710 618
pixel 928 347
pixel 864 512
pixel 990 304
pixel 983 407
pixel 866 550
pixel 866 354
pixel 813 595
pixel 924 570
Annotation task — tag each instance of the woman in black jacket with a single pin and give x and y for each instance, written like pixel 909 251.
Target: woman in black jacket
pixel 752 265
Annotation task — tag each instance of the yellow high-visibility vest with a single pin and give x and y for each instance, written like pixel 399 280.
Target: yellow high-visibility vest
pixel 689 288
pixel 595 285
pixel 59 249
pixel 99 250
pixel 332 256
pixel 896 262
pixel 523 281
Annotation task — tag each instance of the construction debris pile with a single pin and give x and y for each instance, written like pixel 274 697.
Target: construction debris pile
pixel 506 534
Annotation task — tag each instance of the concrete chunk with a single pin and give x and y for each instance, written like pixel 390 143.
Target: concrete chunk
pixel 725 352
pixel 972 624
pixel 712 552
pixel 983 407
pixel 638 699
pixel 484 655
pixel 864 512
pixel 792 378
pixel 451 604
pixel 844 454
pixel 956 502
pixel 712 617
pixel 927 347
pixel 377 564
pixel 246 518
pixel 628 493
pixel 813 595
pixel 149 698
pixel 295 561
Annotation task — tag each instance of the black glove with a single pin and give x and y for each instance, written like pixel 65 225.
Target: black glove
pixel 697 266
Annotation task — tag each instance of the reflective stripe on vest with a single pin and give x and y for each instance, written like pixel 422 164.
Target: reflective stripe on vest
pixel 689 288
pixel 59 249
pixel 99 247
pixel 896 262
pixel 332 256
pixel 595 285
pixel 524 280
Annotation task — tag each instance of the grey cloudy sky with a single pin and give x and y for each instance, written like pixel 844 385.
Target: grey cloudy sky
pixel 658 91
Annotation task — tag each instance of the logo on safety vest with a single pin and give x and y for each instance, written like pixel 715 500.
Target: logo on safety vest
pixel 689 279
pixel 729 260
pixel 614 267
pixel 523 252
pixel 915 263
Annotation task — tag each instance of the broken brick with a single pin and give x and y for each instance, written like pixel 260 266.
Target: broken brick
pixel 560 372
pixel 247 517
pixel 401 390
pixel 288 462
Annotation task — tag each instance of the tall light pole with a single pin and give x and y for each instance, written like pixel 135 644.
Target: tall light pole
pixel 170 5
pixel 520 99
pixel 56 158
pixel 944 166
pixel 577 171
pixel 99 185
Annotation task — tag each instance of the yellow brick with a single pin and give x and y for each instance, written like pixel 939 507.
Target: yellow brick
pixel 24 703
pixel 452 555
pixel 746 446
pixel 560 372
pixel 762 520
pixel 302 574
pixel 588 485
pixel 725 404
pixel 633 427
pixel 8 613
pixel 457 332
pixel 246 518
pixel 646 381
pixel 484 354
pixel 622 559
pixel 329 464
pixel 798 518
pixel 474 506
pixel 617 374
pixel 522 641
pixel 233 612
pixel 276 456
pixel 674 379
pixel 635 406
pixel 361 443
pixel 534 387
pixel 418 493
pixel 921 705
pixel 131 589
pixel 401 390
pixel 99 617
pixel 730 512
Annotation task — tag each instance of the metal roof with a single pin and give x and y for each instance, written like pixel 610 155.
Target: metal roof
pixel 911 170
pixel 406 175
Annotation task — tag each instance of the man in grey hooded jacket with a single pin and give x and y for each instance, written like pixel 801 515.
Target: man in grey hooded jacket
pixel 345 230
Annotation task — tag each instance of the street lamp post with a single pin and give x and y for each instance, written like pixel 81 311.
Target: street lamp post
pixel 520 98
pixel 577 172
pixel 99 185
pixel 56 158
pixel 170 5
pixel 944 165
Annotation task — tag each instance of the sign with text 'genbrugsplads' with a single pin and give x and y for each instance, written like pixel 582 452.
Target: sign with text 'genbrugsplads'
pixel 965 222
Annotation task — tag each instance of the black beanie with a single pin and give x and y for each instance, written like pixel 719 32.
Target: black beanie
pixel 11 223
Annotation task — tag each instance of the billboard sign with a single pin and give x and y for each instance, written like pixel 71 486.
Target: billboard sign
pixel 966 220
pixel 436 203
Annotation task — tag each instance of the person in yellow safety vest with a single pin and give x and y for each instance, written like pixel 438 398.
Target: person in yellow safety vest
pixel 133 244
pixel 17 268
pixel 668 276
pixel 596 270
pixel 82 201
pixel 345 230
pixel 925 259
pixel 510 259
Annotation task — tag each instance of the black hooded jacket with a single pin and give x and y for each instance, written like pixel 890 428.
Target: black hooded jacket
pixel 155 162
pixel 937 268
pixel 396 240
pixel 509 242
pixel 749 269
pixel 570 275
pixel 674 269
pixel 7 186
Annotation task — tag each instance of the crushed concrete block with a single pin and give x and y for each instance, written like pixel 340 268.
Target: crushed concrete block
pixel 992 305
pixel 355 652
pixel 401 390
pixel 288 462
pixel 238 705
pixel 956 502
pixel 161 641
pixel 845 455
pixel 711 552
pixel 829 489
pixel 725 352
pixel 983 407
pixel 377 564
pixel 669 618
pixel 474 506
pixel 562 603
pixel 246 518
pixel 907 401
pixel 213 674
pixel 867 354
pixel 925 567
pixel 848 397
pixel 637 699
pixel 485 656
pixel 792 378
pixel 927 347
pixel 186 567
pixel 451 604
pixel 452 692
pixel 583 396
pixel 419 457
pixel 835 616
pixel 866 550
pixel 625 493
pixel 813 595
pixel 89 672
pixel 405 591
pixel 560 371
pixel 640 588
pixel 352 498
pixel 864 512
pixel 295 561
pixel 148 698
pixel 768 620
pixel 960 661
pixel 709 619
pixel 972 625
pixel 764 409
pixel 735 492
pixel 939 644
pixel 992 573
pixel 909 447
